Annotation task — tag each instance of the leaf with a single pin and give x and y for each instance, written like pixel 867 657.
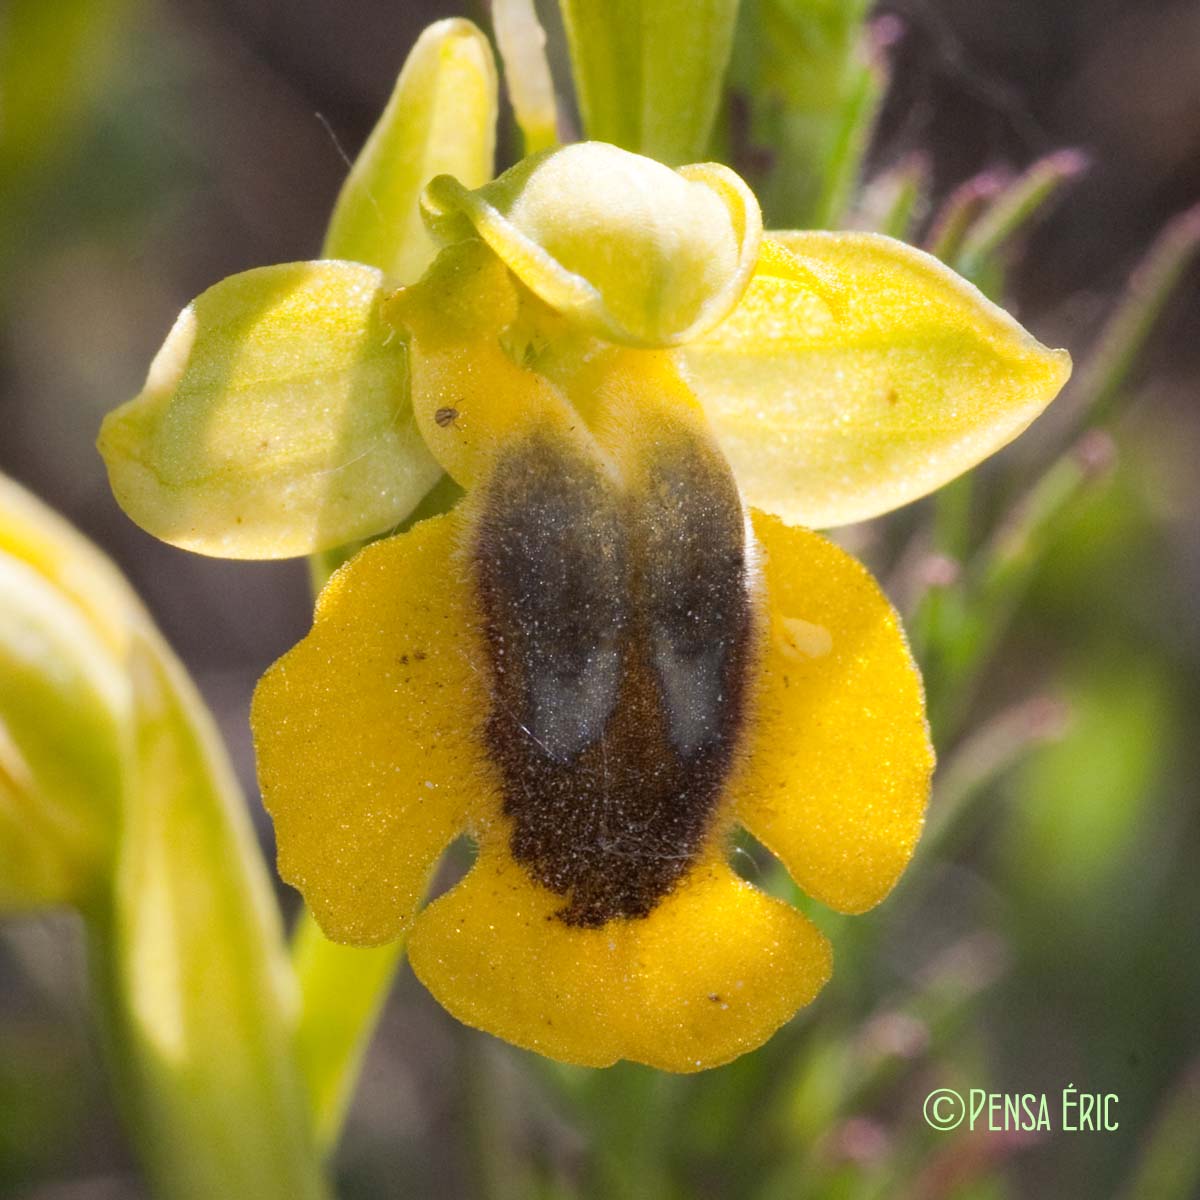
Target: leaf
pixel 840 399
pixel 275 420
pixel 811 77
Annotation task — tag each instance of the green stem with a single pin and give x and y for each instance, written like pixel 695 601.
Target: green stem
pixel 342 993
pixel 894 200
pixel 997 581
pixel 958 628
pixel 959 213
pixel 867 83
pixel 938 623
pixel 953 514
pixel 497 1171
pixel 982 758
pixel 820 151
pixel 1015 207
pixel 649 73
pixel 639 1106
pixel 1101 382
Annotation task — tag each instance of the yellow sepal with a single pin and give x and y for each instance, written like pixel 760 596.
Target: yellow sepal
pixel 63 708
pixel 858 374
pixel 275 419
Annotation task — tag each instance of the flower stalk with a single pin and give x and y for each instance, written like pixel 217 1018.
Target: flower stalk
pixel 342 992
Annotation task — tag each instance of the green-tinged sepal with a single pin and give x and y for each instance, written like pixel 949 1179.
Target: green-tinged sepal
pixel 275 420
pixel 441 118
pixel 649 73
pixel 836 407
pixel 623 247
pixel 63 705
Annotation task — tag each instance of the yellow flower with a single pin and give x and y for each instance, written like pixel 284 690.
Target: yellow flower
pixel 607 657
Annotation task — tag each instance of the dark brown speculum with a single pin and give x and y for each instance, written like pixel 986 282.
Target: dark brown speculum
pixel 619 626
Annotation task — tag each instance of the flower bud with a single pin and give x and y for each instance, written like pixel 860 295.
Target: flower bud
pixel 63 704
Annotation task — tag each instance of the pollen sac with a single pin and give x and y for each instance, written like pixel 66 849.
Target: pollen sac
pixel 619 623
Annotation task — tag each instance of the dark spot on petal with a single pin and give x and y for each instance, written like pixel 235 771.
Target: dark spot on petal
pixel 619 631
pixel 445 416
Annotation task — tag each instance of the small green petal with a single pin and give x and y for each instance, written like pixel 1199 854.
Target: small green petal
pixel 649 73
pixel 441 118
pixel 522 44
pixel 858 374
pixel 275 420
pixel 622 246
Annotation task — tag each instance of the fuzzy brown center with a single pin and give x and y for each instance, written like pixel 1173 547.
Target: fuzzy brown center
pixel 619 627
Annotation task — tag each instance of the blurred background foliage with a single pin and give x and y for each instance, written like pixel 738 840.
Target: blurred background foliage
pixel 1047 933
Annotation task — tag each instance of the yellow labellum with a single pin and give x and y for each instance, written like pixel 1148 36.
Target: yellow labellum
pixel 574 669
